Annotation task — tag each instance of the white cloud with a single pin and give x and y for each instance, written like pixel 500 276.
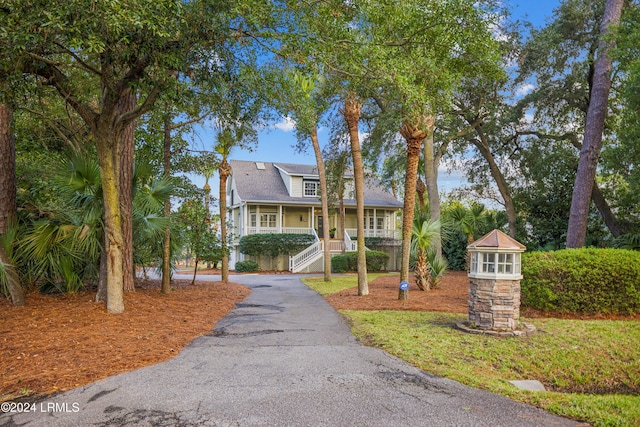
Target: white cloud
pixel 524 89
pixel 287 124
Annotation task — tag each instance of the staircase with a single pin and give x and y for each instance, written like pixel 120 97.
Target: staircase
pixel 313 253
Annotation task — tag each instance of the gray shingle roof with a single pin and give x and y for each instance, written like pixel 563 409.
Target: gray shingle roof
pixel 266 185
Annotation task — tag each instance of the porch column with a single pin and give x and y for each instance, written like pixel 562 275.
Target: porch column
pixel 245 219
pixel 280 217
pixel 375 222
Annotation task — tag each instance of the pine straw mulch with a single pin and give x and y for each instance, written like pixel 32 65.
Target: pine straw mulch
pixel 452 297
pixel 58 342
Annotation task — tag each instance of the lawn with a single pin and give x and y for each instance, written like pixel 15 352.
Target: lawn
pixel 591 368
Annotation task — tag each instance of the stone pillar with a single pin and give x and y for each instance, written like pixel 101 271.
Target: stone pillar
pixel 494 304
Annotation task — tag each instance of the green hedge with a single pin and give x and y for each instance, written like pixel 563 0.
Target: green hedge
pixel 247 267
pixel 275 244
pixel 376 261
pixel 582 281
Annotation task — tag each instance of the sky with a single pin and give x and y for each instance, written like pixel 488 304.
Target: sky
pixel 276 143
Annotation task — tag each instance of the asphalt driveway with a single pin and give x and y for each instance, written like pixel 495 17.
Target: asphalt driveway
pixel 283 357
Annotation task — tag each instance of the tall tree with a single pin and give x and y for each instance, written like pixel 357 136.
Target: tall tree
pixel 351 111
pixel 115 47
pixel 306 102
pixel 594 127
pixel 8 212
pixel 127 103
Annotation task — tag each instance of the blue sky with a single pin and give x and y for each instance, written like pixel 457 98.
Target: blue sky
pixel 276 144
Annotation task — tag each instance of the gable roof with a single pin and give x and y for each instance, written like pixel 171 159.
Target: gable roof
pixel 265 185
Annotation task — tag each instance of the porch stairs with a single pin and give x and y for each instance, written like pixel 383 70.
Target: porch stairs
pixel 307 257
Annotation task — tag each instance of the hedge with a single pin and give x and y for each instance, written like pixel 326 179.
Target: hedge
pixel 274 244
pixel 376 261
pixel 586 281
pixel 247 267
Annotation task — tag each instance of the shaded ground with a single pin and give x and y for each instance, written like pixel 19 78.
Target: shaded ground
pixel 59 342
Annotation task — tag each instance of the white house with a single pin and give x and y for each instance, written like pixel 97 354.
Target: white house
pixel 268 197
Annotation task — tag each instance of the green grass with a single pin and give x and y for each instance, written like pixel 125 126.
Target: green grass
pixel 591 369
pixel 338 282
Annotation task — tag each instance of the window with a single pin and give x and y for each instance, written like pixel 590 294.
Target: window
pixel 253 220
pixel 380 223
pixel 505 263
pixel 311 188
pixel 268 220
pixel 474 262
pixel 489 263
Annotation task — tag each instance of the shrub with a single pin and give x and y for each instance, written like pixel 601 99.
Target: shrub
pixel 582 281
pixel 247 267
pixel 376 261
pixel 340 263
pixel 274 244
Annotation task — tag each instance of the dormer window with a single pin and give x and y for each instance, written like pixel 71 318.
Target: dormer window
pixel 311 188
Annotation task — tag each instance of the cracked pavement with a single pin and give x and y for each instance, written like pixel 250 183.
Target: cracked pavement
pixel 283 357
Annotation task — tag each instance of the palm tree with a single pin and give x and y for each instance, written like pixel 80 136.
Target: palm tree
pixel 63 248
pixel 351 112
pixel 226 140
pixel 425 234
pixel 469 221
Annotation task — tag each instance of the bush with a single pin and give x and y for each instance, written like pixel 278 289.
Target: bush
pixel 376 261
pixel 274 244
pixel 247 267
pixel 582 281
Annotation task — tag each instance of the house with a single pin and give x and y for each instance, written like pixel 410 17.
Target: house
pixel 268 197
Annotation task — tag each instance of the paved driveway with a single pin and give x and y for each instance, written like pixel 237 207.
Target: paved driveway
pixel 283 357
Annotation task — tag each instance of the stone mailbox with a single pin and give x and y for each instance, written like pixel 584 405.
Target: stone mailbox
pixel 494 282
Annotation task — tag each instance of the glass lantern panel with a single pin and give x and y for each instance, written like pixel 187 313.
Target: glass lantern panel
pixel 489 263
pixel 474 262
pixel 505 263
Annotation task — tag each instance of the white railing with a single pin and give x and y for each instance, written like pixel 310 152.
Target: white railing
pixel 391 234
pixel 277 230
pixel 301 260
pixel 349 244
pixel 335 245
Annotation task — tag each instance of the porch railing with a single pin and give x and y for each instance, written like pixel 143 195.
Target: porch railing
pixel 278 230
pixel 391 234
pixel 302 259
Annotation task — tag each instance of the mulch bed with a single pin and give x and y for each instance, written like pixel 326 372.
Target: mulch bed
pixel 58 342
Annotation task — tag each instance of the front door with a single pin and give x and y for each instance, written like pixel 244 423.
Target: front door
pixel 320 227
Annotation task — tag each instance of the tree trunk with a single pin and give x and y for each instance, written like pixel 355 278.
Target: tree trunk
pixel 324 197
pixel 608 216
pixel 498 177
pixel 166 242
pixel 8 210
pixel 594 126
pixel 195 272
pixel 127 103
pixel 109 158
pixel 101 295
pixel 352 109
pixel 431 164
pixel 224 170
pixel 414 135
pixel 422 271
